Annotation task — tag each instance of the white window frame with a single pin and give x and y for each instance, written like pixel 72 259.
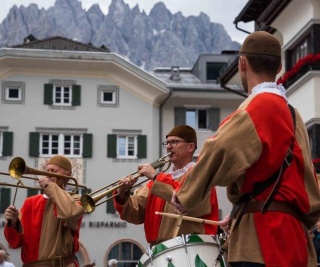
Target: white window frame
pixel 127 143
pixel 114 90
pixel 62 97
pixel 13 85
pixel 61 148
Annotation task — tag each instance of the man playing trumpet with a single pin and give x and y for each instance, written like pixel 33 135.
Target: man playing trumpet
pixel 47 226
pixel 156 194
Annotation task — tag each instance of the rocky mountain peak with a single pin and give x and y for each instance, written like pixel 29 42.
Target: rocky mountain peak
pixel 160 39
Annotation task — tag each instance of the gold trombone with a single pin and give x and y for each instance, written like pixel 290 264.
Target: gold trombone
pixel 18 167
pixel 89 202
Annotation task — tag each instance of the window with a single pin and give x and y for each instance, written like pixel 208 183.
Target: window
pixel 304 44
pixel 6 143
pixel 126 145
pixel 213 70
pixel 127 253
pixel 198 118
pixel 108 96
pixel 301 50
pixel 13 92
pixel 62 94
pixel 64 143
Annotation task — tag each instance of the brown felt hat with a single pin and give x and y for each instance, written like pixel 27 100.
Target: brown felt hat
pixel 261 43
pixel 185 132
pixel 61 161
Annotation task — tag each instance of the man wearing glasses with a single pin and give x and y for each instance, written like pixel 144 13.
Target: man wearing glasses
pixel 156 194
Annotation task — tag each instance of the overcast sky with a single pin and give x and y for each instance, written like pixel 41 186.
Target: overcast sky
pixel 219 11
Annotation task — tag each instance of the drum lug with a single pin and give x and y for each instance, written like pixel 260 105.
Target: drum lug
pixel 169 258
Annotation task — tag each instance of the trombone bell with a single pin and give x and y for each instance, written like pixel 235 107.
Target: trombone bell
pixel 18 167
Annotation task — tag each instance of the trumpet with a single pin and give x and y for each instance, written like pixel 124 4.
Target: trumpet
pixel 90 201
pixel 18 167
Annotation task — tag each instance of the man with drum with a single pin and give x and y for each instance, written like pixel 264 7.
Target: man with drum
pixel 261 153
pixel 155 195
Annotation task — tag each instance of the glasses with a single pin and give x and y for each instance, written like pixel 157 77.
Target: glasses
pixel 173 143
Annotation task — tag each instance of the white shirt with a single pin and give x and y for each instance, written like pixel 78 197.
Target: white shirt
pixel 6 264
pixel 270 87
pixel 177 173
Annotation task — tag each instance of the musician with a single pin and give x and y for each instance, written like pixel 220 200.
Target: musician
pixel 47 226
pixel 156 194
pixel 246 154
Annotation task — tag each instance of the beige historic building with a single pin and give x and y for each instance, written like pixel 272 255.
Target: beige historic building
pixel 60 96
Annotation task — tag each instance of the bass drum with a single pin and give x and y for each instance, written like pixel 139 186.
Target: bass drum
pixel 184 251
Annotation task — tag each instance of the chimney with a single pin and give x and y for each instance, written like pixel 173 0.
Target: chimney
pixel 175 73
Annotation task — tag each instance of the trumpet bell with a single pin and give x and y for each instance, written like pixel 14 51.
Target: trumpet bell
pixel 88 203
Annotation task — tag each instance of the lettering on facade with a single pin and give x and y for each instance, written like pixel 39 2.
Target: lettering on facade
pixel 107 224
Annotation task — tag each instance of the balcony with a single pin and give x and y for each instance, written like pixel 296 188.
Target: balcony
pixel 304 65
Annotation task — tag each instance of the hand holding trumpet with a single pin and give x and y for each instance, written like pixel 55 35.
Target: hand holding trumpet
pixel 127 182
pixel 147 170
pixel 123 191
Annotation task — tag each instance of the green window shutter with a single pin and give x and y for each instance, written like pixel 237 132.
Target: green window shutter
pixel 7 144
pixel 5 198
pixel 179 116
pixel 142 146
pixel 84 191
pixel 76 95
pixel 110 206
pixel 214 118
pixel 34 144
pixel 48 94
pixel 112 146
pixel 32 192
pixel 87 145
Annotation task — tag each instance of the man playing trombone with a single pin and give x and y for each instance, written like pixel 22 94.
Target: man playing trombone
pixel 156 194
pixel 47 226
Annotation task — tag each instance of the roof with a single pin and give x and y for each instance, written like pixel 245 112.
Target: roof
pixel 252 10
pixel 189 82
pixel 265 11
pixel 58 43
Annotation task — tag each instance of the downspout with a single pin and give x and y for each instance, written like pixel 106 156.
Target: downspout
pixel 160 119
pixel 236 23
pixel 233 91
